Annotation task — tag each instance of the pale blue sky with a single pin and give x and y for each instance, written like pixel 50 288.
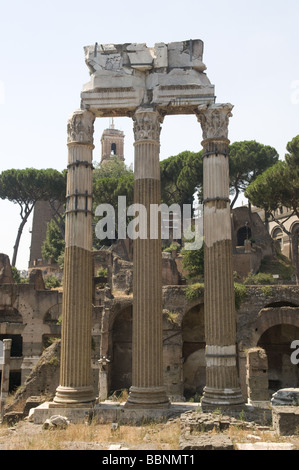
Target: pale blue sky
pixel 251 51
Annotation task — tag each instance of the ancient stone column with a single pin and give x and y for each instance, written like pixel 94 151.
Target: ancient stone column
pixel 147 389
pixel 5 368
pixel 75 369
pixel 222 384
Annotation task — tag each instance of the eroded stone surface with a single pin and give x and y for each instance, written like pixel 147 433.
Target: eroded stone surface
pixel 126 76
pixel 286 397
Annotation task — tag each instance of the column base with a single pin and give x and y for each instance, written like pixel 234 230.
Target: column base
pixel 73 396
pixel 221 399
pixel 147 397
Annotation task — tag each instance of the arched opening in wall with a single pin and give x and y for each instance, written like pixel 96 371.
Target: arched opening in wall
pixel 113 149
pixel 244 233
pixel 276 341
pixel 295 241
pixel 121 357
pixel 282 303
pixel 194 367
pixel 277 236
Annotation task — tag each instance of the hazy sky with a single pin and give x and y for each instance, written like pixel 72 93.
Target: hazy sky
pixel 251 50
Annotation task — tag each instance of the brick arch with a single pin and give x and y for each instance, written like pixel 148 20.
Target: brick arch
pixel 188 305
pixel 272 316
pixel 53 314
pixel 294 226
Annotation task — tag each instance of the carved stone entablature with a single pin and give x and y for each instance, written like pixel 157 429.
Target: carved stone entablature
pixel 214 120
pixel 80 127
pixel 147 125
pixel 169 77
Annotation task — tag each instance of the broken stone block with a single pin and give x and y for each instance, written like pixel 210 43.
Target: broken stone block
pixel 207 442
pixel 141 57
pixel 13 417
pixel 285 420
pixel 286 397
pixel 36 278
pixel 186 54
pixel 161 56
pixel 5 270
pixel 257 375
pixel 56 422
pixel 32 402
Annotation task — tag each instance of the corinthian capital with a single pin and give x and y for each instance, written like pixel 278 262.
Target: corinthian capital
pixel 214 120
pixel 80 127
pixel 147 124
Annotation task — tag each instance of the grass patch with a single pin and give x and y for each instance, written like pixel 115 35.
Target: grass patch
pixel 160 436
pixel 194 291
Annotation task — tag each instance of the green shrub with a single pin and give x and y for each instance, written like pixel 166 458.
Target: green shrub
pixel 240 294
pixel 194 291
pixel 102 272
pixel 260 278
pixel 171 247
pixel 51 282
pixel 266 291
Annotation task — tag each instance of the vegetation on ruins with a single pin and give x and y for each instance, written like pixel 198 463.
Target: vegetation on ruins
pixel 193 262
pixel 277 187
pixel 196 290
pixel 27 186
pixel 51 282
pixel 240 294
pixel 259 278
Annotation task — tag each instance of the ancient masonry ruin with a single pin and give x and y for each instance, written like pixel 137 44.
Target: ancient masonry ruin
pixel 146 84
pixel 206 339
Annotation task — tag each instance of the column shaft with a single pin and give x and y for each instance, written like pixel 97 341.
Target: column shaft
pixel 75 370
pixel 222 384
pixel 147 389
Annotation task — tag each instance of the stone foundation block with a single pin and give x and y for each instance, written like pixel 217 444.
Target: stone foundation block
pixel 207 442
pixel 285 420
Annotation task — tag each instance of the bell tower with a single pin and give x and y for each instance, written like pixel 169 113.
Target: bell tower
pixel 112 141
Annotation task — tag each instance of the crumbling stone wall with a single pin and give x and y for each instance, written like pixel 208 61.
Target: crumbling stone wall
pixel 32 313
pixel 257 375
pixel 28 314
pixel 42 381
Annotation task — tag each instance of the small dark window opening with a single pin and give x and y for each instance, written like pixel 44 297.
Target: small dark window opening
pixel 14 380
pixel 244 233
pixel 113 149
pixel 16 344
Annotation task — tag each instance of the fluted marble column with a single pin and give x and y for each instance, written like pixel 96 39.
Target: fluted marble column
pixel 147 389
pixel 222 384
pixel 75 369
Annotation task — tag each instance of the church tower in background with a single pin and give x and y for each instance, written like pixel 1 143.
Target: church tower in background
pixel 112 142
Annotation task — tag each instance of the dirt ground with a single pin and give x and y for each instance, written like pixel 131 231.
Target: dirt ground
pixel 164 436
